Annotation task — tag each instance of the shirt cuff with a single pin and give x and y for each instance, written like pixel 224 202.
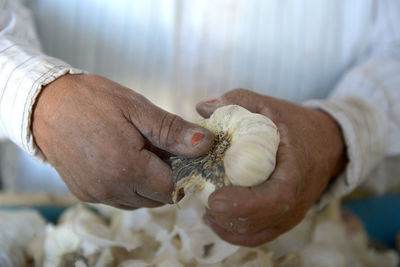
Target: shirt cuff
pixel 25 73
pixel 365 132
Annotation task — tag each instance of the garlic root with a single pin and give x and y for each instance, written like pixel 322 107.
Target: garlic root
pixel 244 154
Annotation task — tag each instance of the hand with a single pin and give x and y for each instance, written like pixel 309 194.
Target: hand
pixel 311 152
pixel 106 141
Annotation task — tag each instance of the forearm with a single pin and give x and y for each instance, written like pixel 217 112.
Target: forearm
pixel 364 129
pixel 364 104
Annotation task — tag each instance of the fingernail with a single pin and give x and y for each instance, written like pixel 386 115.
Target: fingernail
pixel 212 100
pixel 197 141
pixel 196 138
pixel 219 206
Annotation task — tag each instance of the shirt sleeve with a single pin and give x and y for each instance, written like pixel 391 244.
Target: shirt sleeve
pixel 366 103
pixel 24 71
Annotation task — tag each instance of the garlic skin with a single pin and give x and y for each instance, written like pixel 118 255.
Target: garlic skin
pixel 244 154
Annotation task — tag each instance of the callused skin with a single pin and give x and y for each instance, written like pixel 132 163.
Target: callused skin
pixel 310 154
pixel 106 141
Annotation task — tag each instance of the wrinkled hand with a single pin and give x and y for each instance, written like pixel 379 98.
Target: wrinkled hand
pixel 311 152
pixel 106 141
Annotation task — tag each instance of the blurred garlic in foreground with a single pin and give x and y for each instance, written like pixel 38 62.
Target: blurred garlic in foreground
pixel 244 154
pixel 17 230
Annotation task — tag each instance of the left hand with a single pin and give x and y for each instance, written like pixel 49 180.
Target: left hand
pixel 311 152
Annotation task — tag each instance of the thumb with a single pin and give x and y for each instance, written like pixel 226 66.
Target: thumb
pixel 249 100
pixel 169 131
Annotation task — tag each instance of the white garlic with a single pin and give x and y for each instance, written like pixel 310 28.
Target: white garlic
pixel 244 154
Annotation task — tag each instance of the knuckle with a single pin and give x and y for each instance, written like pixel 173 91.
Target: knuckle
pixel 168 129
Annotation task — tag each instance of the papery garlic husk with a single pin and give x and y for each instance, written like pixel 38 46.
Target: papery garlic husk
pixel 244 154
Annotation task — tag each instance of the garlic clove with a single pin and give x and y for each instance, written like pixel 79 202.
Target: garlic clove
pixel 249 161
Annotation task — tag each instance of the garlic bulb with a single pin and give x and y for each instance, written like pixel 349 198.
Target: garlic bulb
pixel 243 154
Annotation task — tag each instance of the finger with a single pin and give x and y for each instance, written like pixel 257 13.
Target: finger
pixel 168 131
pixel 123 196
pixel 248 240
pixel 249 100
pixel 156 183
pixel 135 172
pixel 129 171
pixel 271 199
pixel 275 196
pixel 134 202
pixel 240 225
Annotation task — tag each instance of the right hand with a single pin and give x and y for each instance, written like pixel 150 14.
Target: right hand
pixel 106 141
pixel 311 153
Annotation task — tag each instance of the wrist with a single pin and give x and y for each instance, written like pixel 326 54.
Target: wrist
pixel 45 110
pixel 336 148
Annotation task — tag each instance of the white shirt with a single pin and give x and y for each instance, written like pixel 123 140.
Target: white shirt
pixel 345 53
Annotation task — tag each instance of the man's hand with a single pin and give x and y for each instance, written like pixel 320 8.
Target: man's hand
pixel 311 152
pixel 106 141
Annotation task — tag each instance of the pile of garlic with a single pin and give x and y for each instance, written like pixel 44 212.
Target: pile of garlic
pixel 20 232
pixel 176 237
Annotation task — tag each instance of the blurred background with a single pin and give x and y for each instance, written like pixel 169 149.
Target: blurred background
pixel 178 52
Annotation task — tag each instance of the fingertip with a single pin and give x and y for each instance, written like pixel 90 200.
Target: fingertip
pixel 247 240
pixel 206 108
pixel 198 141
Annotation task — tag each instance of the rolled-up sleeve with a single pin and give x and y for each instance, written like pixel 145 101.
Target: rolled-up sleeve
pixel 24 72
pixel 366 103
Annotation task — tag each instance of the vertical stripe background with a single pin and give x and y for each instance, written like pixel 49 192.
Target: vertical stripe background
pixel 177 52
